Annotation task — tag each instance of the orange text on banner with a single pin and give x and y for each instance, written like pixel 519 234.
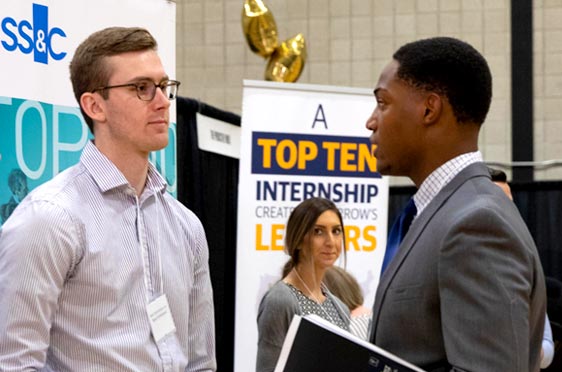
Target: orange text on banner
pixel 358 238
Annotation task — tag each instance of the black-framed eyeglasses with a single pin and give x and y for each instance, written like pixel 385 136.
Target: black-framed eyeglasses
pixel 146 89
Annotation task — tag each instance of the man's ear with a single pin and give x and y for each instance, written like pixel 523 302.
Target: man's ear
pixel 93 106
pixel 433 108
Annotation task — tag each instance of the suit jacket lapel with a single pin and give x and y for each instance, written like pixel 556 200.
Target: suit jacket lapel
pixel 417 227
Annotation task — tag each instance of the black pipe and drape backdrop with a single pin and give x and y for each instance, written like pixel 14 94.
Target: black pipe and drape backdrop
pixel 208 185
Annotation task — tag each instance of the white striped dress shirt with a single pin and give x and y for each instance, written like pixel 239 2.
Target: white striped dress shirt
pixel 80 259
pixel 360 325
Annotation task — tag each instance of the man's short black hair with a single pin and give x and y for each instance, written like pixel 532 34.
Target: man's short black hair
pixel 451 68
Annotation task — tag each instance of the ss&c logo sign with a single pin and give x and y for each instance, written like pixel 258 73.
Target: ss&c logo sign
pixel 34 36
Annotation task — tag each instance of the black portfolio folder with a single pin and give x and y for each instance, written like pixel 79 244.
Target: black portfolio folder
pixel 313 344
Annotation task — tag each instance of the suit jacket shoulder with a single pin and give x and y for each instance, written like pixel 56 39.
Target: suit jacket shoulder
pixel 466 287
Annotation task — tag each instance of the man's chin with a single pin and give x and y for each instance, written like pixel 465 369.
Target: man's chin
pixel 159 144
pixel 383 168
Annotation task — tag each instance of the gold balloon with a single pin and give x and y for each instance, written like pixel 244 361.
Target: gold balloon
pixel 259 27
pixel 287 61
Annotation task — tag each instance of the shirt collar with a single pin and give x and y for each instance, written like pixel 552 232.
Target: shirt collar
pixel 441 176
pixel 107 176
pixel 154 180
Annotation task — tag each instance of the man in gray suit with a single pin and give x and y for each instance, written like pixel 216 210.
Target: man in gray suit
pixel 465 290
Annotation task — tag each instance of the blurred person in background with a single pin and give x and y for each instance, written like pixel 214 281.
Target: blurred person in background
pixel 345 287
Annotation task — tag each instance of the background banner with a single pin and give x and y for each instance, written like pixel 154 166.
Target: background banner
pixel 300 141
pixel 41 129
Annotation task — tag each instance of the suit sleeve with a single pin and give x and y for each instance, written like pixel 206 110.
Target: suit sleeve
pixel 485 283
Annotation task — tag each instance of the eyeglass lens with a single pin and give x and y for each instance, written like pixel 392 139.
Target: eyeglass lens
pixel 147 91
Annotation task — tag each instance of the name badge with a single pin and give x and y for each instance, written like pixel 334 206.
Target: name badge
pixel 160 317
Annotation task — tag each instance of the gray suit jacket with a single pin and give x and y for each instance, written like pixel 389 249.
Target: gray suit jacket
pixel 465 290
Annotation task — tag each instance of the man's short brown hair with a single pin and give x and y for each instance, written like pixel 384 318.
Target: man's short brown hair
pixel 88 70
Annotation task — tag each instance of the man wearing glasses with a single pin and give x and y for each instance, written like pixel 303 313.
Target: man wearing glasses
pixel 100 268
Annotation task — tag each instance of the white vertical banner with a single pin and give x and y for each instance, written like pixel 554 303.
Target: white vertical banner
pixel 300 141
pixel 41 129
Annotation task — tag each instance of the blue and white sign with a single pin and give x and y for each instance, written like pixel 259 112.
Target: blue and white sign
pixel 42 131
pixel 301 141
pixel 33 36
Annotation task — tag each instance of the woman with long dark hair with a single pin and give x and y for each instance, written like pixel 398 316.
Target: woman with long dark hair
pixel 314 239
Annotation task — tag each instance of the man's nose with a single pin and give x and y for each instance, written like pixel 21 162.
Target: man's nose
pixel 371 122
pixel 161 98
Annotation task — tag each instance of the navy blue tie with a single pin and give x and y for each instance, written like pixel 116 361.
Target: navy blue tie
pixel 398 231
